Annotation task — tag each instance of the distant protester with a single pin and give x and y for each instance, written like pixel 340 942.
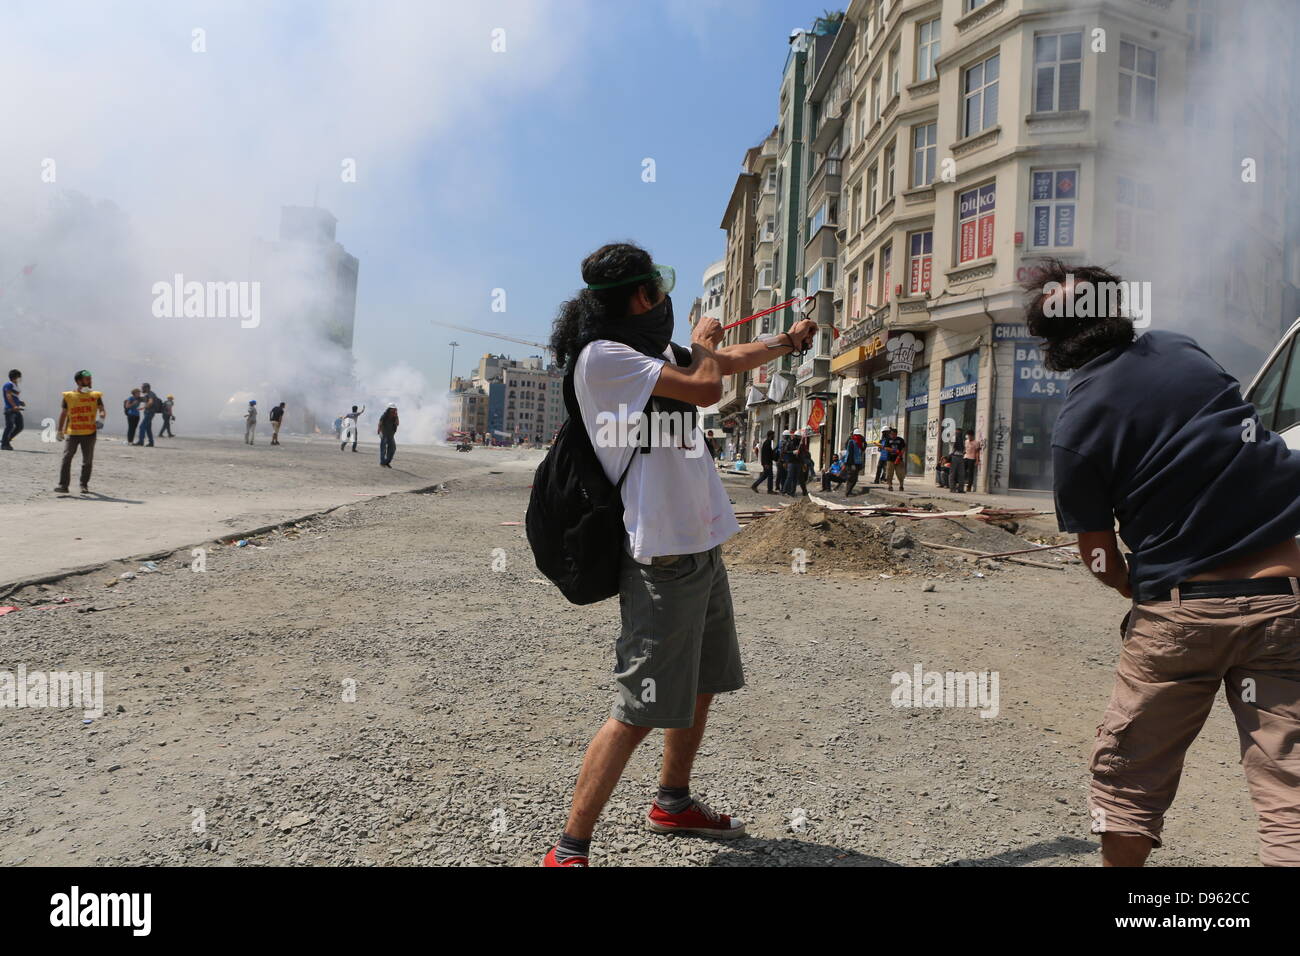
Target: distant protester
pixel 13 407
pixel 131 406
pixel 81 415
pixel 387 436
pixel 277 417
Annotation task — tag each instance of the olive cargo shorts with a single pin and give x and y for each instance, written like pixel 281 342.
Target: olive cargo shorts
pixel 1176 654
pixel 678 638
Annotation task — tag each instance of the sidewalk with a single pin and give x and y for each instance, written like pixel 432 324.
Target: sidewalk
pixel 917 487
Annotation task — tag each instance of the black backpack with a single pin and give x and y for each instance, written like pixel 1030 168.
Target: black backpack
pixel 575 513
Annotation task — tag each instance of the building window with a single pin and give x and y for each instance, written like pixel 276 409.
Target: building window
pixel 886 272
pixel 974 4
pixel 1200 25
pixel 873 179
pixel 1137 82
pixel 862 120
pixel 924 150
pixel 875 98
pixel 1058 66
pixel 889 174
pixel 822 277
pixel 1133 215
pixel 920 249
pixel 1052 199
pixel 980 97
pixel 893 73
pixel 975 222
pixel 855 306
pixel 927 49
pixel 868 282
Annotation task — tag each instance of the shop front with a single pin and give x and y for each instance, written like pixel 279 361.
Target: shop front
pixel 1037 394
pixel 915 408
pixel 957 398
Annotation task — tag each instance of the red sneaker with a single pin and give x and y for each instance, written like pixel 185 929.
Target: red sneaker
pixel 550 860
pixel 697 818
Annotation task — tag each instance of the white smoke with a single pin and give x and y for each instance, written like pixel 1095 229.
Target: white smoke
pixel 156 139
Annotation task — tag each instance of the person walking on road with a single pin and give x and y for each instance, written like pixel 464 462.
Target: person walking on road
pixel 277 417
pixel 766 454
pixel 149 405
pixel 165 410
pixel 387 436
pixel 250 421
pixel 13 407
pixel 350 429
pixel 81 416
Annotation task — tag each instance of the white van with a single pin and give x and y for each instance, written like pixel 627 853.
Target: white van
pixel 1275 390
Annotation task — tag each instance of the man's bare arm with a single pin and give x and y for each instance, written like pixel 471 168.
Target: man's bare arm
pixel 1100 553
pixel 750 355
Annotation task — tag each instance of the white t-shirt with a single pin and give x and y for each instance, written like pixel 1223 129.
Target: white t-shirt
pixel 673 499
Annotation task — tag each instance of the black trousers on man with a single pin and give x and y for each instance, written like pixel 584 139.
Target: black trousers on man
pixel 956 478
pixel 766 475
pixel 70 445
pixel 13 425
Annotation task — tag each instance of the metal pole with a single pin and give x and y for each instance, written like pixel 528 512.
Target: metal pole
pixel 451 372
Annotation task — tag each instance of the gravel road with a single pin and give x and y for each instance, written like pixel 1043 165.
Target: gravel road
pixel 382 685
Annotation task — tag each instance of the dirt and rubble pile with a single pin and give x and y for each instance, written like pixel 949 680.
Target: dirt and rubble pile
pixel 831 541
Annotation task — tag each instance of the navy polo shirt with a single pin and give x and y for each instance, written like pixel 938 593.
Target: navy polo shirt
pixel 1155 435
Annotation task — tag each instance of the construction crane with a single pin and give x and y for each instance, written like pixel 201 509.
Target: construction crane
pixel 546 349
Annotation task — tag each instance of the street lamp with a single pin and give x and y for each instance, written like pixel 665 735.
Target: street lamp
pixel 451 372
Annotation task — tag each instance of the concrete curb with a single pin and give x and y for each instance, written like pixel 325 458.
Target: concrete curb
pixel 10 587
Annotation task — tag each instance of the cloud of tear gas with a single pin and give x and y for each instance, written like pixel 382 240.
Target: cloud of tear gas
pixel 149 154
pixel 1189 190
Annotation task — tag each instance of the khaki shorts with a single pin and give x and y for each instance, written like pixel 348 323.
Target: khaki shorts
pixel 678 638
pixel 1176 654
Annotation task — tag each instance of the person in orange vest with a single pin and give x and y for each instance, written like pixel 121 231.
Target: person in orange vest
pixel 80 419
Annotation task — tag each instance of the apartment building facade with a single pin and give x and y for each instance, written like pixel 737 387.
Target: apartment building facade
pixel 740 227
pixel 975 136
pixel 524 400
pixel 467 407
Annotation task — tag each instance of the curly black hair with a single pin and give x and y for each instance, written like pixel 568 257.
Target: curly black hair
pixel 580 318
pixel 1072 341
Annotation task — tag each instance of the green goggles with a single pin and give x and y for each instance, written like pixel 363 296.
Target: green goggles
pixel 666 276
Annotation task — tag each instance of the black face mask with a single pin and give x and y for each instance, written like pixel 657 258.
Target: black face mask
pixel 649 333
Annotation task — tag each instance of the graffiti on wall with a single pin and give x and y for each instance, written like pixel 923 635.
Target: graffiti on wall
pixel 999 457
pixel 931 444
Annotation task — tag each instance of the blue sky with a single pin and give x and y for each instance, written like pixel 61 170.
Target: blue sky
pixel 692 86
pixel 476 170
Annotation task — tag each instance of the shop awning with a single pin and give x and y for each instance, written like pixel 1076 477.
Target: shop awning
pixel 848 360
